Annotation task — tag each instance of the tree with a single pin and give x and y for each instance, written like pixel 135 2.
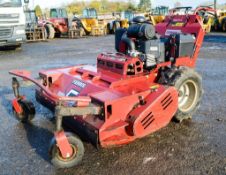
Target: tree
pixel 131 5
pixel 144 5
pixel 38 11
pixel 102 6
pixel 95 4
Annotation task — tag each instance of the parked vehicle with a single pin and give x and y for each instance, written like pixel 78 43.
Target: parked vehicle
pixel 12 23
pixel 122 20
pixel 157 15
pixel 34 31
pixel 90 24
pixel 208 14
pixel 220 22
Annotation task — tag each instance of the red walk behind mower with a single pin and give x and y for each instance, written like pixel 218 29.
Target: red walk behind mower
pixel 129 95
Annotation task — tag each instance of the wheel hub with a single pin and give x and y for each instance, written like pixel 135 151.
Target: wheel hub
pixel 187 95
pixel 69 158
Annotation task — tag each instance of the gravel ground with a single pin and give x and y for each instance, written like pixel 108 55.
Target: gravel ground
pixel 194 147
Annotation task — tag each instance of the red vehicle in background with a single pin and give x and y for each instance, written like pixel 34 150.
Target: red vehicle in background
pixel 59 19
pixel 57 24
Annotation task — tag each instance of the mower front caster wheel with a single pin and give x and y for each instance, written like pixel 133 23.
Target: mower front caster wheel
pixel 76 157
pixel 28 111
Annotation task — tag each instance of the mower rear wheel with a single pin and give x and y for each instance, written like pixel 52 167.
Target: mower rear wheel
pixel 76 157
pixel 189 86
pixel 28 111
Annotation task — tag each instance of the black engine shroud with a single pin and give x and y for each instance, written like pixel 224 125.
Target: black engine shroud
pixel 141 40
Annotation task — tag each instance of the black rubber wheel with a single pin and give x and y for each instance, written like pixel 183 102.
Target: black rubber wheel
pixel 57 35
pixel 82 32
pixel 108 29
pixel 28 111
pixel 50 31
pixel 224 25
pixel 116 26
pixel 105 30
pixel 215 27
pixel 189 86
pixel 45 37
pixel 18 47
pixel 78 152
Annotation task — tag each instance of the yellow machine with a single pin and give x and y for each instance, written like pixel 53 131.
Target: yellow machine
pixel 122 20
pixel 220 22
pixel 207 24
pixel 157 15
pixel 208 14
pixel 205 12
pixel 90 23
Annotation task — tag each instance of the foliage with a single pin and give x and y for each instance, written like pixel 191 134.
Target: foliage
pixel 102 6
pixel 144 5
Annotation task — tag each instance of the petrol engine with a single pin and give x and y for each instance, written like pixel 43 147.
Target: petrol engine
pixel 143 41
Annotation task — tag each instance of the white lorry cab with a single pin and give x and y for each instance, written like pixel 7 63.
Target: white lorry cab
pixel 12 22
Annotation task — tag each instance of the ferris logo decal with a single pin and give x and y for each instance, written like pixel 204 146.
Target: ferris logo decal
pixel 79 84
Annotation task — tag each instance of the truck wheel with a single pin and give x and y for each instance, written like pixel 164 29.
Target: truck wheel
pixel 108 29
pixel 105 30
pixel 82 32
pixel 50 31
pixel 28 111
pixel 78 152
pixel 215 27
pixel 116 26
pixel 18 47
pixel 189 86
pixel 45 37
pixel 224 26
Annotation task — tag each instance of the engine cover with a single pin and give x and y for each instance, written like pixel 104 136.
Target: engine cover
pixel 120 64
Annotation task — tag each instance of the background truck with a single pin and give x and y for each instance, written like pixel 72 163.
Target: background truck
pixel 12 23
pixel 57 25
pixel 90 23
pixel 220 22
pixel 59 20
pixel 157 15
pixel 122 20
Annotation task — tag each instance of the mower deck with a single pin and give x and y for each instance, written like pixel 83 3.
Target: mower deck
pixel 109 92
